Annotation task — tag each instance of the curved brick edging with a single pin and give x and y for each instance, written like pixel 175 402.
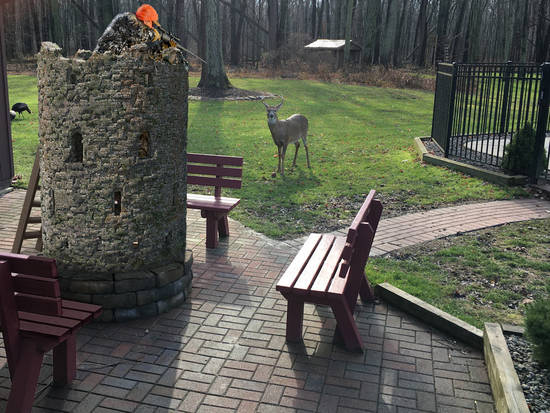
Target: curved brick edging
pixel 130 295
pixel 507 391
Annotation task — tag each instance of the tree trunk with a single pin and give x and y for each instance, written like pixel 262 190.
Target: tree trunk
pixel 396 58
pixel 390 25
pixel 273 20
pixel 281 31
pixel 213 73
pixel 441 50
pixel 458 33
pixel 313 19
pixel 349 20
pixel 180 22
pixel 541 43
pixel 320 31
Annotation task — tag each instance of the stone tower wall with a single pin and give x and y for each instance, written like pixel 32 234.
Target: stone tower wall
pixel 112 141
pixel 113 181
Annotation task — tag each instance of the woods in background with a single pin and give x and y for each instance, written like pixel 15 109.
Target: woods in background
pixel 390 32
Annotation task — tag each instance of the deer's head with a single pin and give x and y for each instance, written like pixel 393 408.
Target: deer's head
pixel 272 111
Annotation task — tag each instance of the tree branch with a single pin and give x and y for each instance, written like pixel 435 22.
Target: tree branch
pixel 81 10
pixel 248 19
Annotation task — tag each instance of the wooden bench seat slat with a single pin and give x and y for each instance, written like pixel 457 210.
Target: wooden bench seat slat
pixel 25 264
pixel 31 284
pixel 37 304
pixel 295 268
pixel 210 181
pixel 330 266
pixel 42 329
pixel 214 159
pixel 93 309
pixel 310 271
pixel 83 316
pixel 214 170
pixel 50 320
pixel 223 204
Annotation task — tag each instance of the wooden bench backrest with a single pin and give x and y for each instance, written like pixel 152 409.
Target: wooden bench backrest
pixel 362 230
pixel 219 171
pixel 8 315
pixel 34 283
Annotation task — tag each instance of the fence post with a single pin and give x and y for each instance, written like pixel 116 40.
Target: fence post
pixel 451 111
pixel 505 96
pixel 542 122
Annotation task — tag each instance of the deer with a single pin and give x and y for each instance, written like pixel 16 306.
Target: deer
pixel 285 132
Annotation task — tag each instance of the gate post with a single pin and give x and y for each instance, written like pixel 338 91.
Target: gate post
pixel 442 118
pixel 542 122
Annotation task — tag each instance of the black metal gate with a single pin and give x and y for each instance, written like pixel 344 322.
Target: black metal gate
pixel 478 108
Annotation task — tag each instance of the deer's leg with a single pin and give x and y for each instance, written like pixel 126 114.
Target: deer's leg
pixel 279 156
pixel 295 154
pixel 307 152
pixel 283 160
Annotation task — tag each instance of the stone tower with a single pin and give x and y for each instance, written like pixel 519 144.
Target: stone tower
pixel 113 182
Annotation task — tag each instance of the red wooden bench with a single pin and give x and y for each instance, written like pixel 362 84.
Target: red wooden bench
pixel 329 270
pixel 35 319
pixel 220 172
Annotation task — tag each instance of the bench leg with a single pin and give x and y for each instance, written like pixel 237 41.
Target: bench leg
pixel 294 320
pixel 365 291
pixel 223 226
pixel 346 325
pixel 64 361
pixel 211 230
pixel 24 383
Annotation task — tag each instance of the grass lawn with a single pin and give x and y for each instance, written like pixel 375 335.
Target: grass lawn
pixel 487 275
pixel 360 138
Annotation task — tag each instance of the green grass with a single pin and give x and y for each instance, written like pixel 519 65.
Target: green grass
pixel 485 276
pixel 360 138
pixel 24 128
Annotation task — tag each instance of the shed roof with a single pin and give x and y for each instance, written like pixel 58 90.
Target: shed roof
pixel 331 44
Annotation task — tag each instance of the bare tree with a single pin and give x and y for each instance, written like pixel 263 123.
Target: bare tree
pixel 213 73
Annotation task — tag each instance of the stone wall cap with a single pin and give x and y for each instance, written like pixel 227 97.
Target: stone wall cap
pixel 50 48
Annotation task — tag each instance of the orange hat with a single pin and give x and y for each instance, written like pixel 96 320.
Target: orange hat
pixel 147 14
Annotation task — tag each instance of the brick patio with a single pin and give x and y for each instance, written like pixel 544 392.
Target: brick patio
pixel 225 350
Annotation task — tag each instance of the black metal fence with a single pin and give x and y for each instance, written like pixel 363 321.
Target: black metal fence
pixel 479 107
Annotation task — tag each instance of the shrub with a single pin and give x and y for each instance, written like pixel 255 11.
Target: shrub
pixel 518 154
pixel 537 327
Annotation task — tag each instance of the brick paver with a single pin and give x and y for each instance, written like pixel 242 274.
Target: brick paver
pixel 224 350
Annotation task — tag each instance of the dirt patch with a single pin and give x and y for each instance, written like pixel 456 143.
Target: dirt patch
pixel 233 93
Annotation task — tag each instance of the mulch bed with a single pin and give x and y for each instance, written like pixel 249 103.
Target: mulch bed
pixel 233 93
pixel 535 380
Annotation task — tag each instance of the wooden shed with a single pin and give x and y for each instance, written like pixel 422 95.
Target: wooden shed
pixel 335 47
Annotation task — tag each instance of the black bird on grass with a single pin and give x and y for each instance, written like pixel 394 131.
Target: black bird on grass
pixel 12 115
pixel 20 107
